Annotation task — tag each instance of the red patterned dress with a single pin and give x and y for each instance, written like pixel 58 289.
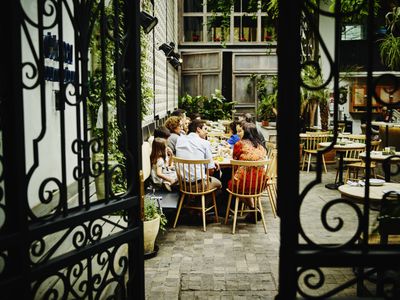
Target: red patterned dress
pixel 244 150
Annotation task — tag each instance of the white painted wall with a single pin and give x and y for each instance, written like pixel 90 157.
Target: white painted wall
pixel 166 77
pixel 40 115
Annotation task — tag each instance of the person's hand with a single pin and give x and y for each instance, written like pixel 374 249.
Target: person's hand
pixel 217 166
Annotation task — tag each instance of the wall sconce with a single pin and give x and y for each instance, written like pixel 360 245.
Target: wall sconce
pixel 147 21
pixel 174 62
pixel 167 49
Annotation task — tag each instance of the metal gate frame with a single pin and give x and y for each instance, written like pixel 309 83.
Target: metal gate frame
pixel 26 260
pixel 303 262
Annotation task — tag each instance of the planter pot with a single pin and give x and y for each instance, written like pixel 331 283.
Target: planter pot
pixel 264 123
pixel 150 231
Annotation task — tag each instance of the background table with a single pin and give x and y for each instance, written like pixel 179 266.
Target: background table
pixel 341 150
pixel 357 193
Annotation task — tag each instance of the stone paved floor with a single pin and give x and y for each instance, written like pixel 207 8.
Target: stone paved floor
pixel 192 264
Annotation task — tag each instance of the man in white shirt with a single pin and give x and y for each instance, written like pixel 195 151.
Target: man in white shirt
pixel 195 146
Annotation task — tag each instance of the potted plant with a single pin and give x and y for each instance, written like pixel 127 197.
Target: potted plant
pixel 154 220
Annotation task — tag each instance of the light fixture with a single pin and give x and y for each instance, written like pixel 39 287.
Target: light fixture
pixel 147 21
pixel 174 62
pixel 167 49
pixel 177 56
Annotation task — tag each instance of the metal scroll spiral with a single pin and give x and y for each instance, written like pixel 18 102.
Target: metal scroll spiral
pixel 118 175
pixel 113 278
pixel 338 226
pixel 37 249
pixel 96 166
pixel 53 292
pixel 49 10
pixel 77 272
pixel 313 280
pixel 3 261
pixel 77 147
pixel 47 195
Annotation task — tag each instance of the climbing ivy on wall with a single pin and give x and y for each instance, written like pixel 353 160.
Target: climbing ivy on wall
pixel 145 70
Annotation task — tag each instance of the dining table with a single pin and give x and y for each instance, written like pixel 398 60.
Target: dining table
pixel 341 148
pixel 356 192
pixel 380 157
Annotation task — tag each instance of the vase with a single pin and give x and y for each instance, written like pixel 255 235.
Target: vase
pixel 150 231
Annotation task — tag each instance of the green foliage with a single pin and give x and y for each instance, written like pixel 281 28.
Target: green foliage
pixel 355 10
pixel 217 107
pixel 389 48
pixel 145 70
pixel 191 104
pixel 96 80
pixel 151 212
pixel 390 51
pixel 266 109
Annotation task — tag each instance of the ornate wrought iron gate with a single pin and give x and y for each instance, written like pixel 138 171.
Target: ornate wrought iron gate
pixel 304 265
pixel 58 239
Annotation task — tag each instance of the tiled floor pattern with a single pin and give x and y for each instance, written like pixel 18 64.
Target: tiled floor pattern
pixel 192 264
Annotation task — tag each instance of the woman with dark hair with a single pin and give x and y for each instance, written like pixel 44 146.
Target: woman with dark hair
pixel 248 148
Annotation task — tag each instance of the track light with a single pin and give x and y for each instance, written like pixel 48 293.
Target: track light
pixel 147 21
pixel 167 49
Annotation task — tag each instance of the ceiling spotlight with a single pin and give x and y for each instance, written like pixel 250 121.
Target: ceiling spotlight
pixel 167 49
pixel 147 21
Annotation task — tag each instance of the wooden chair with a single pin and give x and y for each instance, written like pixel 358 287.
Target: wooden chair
pixel 194 181
pixel 354 168
pixel 310 148
pixel 272 180
pixel 253 184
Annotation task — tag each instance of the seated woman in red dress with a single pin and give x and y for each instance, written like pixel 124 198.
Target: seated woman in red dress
pixel 250 148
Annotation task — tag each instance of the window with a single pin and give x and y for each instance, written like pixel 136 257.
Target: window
pixel 192 6
pixel 249 22
pixel 193 29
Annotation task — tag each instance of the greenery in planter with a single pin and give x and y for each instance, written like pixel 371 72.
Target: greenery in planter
pixel 314 95
pixel 267 95
pixel 191 104
pixel 217 107
pixel 151 212
pixel 390 45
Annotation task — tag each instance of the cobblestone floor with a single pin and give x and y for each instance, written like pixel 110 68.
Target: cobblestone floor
pixel 192 264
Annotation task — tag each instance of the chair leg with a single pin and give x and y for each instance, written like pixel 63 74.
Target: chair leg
pixel 179 209
pixel 203 211
pixel 241 209
pixel 262 214
pixel 271 200
pixel 235 214
pixel 323 162
pixel 309 162
pixel 215 208
pixel 304 161
pixel 228 208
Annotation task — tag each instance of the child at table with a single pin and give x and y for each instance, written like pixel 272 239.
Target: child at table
pixel 162 169
pixel 234 137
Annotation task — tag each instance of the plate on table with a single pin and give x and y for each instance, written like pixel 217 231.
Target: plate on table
pixel 376 182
